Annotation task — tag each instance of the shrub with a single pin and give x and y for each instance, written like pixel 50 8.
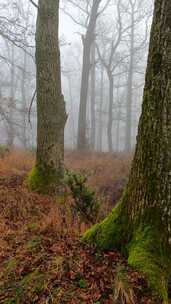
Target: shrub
pixel 4 150
pixel 85 202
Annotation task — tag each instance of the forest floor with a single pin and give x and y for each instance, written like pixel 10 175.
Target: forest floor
pixel 42 259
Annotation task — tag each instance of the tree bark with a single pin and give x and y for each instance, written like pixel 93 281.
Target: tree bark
pixel 87 42
pixel 24 104
pixel 100 130
pixel 93 97
pixel 72 114
pixel 128 126
pixel 24 138
pixel 118 129
pixel 10 126
pixel 140 225
pixel 110 113
pixel 51 116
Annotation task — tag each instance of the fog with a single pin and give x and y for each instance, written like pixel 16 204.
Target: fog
pixel 118 55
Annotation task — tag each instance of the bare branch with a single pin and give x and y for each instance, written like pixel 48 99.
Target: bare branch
pixel 34 4
pixel 31 103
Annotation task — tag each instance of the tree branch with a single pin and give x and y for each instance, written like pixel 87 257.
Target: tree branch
pixel 34 4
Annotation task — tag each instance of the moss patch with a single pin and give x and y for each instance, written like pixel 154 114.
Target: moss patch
pixel 111 232
pixel 43 179
pixel 144 242
pixel 9 267
pixel 149 254
pixel 34 281
pixel 30 286
pixel 34 243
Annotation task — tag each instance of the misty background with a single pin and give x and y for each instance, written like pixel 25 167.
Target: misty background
pixel 116 78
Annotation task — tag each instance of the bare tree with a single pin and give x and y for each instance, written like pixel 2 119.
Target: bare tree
pixel 87 41
pixel 93 96
pixel 135 12
pixel 111 62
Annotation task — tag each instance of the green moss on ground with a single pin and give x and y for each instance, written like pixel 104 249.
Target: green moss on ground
pixel 43 179
pixel 31 285
pixel 34 281
pixel 34 243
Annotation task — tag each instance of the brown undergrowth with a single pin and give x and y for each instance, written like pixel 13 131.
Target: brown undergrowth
pixel 41 258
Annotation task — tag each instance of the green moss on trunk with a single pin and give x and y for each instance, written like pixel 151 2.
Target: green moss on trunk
pixel 43 179
pixel 143 241
pixel 149 254
pixel 111 232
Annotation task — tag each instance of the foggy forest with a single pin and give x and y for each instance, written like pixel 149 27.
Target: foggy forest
pixel 85 151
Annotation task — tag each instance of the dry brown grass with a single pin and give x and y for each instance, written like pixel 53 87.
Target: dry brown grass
pixel 40 237
pixel 16 161
pixel 107 173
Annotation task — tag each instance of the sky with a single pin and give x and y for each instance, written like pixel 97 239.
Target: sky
pixel 66 26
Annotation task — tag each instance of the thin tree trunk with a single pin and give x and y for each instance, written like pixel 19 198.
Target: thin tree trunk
pixel 100 131
pixel 24 104
pixel 10 127
pixel 118 129
pixel 93 97
pixel 87 42
pixel 24 138
pixel 128 126
pixel 110 114
pixel 140 225
pixel 51 115
pixel 72 113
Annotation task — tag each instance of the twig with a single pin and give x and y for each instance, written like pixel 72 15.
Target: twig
pixel 35 5
pixel 31 103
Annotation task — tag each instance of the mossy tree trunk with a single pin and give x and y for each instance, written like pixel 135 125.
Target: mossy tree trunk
pixel 51 115
pixel 141 223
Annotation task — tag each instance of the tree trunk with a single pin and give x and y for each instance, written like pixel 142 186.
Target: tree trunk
pixel 24 138
pixel 128 125
pixel 72 113
pixel 10 125
pixel 24 104
pixel 118 129
pixel 93 97
pixel 110 113
pixel 100 130
pixel 141 223
pixel 51 115
pixel 87 42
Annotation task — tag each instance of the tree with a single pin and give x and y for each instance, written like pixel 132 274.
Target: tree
pixel 112 61
pixel 93 97
pixel 86 65
pixel 89 12
pixel 11 105
pixel 140 225
pixel 24 138
pixel 51 115
pixel 136 15
pixel 100 116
